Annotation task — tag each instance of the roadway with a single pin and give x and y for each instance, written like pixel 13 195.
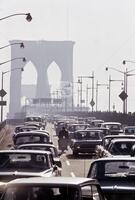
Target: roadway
pixel 71 166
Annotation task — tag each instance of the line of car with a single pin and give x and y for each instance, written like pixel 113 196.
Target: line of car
pixel 35 158
pixel 114 164
pixel 34 155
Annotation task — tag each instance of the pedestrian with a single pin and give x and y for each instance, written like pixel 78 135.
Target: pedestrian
pixel 63 138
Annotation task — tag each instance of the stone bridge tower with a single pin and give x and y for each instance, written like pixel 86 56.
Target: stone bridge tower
pixel 41 54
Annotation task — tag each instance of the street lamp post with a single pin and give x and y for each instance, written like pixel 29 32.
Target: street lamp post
pixel 125 73
pixel 111 80
pixel 98 84
pixel 23 59
pixel 28 16
pixel 80 81
pixel 126 78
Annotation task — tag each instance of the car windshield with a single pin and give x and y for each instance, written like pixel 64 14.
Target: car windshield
pixel 91 135
pixel 80 127
pixel 43 148
pixel 29 139
pixel 33 119
pixel 40 193
pixel 23 162
pixel 117 168
pixel 113 126
pixel 130 130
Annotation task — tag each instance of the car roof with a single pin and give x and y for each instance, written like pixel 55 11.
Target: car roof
pixel 111 123
pixel 91 130
pixel 78 124
pixel 27 127
pixel 24 151
pixel 38 144
pixel 31 133
pixel 70 181
pixel 118 158
pixel 129 127
pixel 119 136
pixel 123 140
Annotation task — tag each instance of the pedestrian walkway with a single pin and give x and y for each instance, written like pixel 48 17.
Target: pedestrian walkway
pixel 6 137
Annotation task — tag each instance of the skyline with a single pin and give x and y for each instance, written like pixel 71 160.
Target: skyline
pixel 103 32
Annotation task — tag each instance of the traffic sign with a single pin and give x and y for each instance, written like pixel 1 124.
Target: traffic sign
pixel 82 101
pixel 2 93
pixel 123 95
pixel 92 103
pixel 3 103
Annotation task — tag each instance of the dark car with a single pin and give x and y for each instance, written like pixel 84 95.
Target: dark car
pixel 102 150
pixel 105 131
pixel 114 127
pixel 44 147
pixel 73 127
pixel 22 128
pixel 121 147
pixel 116 176
pixel 55 188
pixel 85 141
pixel 26 163
pixel 129 130
pixel 30 137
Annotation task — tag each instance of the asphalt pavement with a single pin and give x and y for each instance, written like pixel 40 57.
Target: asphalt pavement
pixel 71 166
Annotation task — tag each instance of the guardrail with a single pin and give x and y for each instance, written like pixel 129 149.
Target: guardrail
pixel 14 121
pixel 3 124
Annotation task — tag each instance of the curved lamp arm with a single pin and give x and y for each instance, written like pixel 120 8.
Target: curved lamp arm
pixel 21 45
pixel 22 58
pixel 28 16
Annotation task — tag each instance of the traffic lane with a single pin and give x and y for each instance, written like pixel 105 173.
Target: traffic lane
pixel 71 166
pixel 75 167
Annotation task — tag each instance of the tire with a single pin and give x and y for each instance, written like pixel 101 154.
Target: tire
pixel 75 153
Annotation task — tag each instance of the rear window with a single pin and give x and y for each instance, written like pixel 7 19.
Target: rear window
pixel 101 170
pixel 23 162
pixel 27 139
pixel 92 135
pixel 40 192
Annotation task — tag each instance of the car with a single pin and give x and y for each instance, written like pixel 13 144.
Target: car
pixel 26 163
pixel 114 127
pixel 44 147
pixel 71 128
pixel 105 131
pixel 96 122
pixel 129 130
pixel 121 147
pixel 53 188
pixel 43 131
pixel 34 120
pixel 85 141
pixel 102 150
pixel 30 137
pixel 22 128
pixel 115 175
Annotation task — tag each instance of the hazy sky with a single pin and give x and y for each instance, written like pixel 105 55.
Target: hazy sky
pixel 103 31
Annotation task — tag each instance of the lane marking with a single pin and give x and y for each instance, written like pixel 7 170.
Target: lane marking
pixel 67 162
pixel 72 174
